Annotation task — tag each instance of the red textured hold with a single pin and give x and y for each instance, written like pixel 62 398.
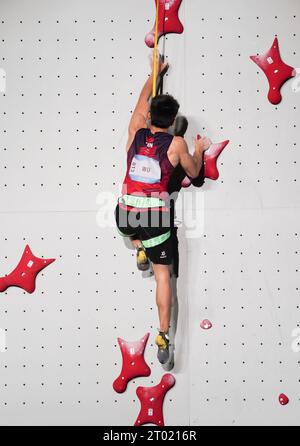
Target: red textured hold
pixel 276 71
pixel 152 399
pixel 283 399
pixel 134 364
pixel 168 21
pixel 24 275
pixel 210 162
pixel 206 324
pixel 211 157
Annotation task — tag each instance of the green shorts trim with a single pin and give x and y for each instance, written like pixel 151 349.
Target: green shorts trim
pixel 152 242
pixel 142 202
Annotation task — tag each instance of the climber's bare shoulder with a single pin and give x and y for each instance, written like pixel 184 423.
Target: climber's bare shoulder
pixel 177 148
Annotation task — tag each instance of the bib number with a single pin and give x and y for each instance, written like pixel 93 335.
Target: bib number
pixel 145 170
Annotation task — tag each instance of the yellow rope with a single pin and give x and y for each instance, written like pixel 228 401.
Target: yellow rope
pixel 155 67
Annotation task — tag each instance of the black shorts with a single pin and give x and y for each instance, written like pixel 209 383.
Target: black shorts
pixel 154 228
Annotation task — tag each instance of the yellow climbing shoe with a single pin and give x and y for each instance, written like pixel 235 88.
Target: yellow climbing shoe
pixel 142 260
pixel 162 343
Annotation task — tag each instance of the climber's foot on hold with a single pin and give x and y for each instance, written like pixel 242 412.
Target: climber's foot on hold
pixel 142 260
pixel 162 341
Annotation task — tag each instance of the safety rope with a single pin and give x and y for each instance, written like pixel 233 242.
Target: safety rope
pixel 155 65
pixel 161 87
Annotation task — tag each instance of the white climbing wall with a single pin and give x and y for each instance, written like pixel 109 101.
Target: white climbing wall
pixel 70 73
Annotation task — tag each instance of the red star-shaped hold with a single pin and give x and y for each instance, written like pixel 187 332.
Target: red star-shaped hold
pixel 210 162
pixel 276 71
pixel 152 399
pixel 168 20
pixel 24 275
pixel 134 364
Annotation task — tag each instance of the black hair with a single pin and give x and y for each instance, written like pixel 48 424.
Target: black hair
pixel 163 110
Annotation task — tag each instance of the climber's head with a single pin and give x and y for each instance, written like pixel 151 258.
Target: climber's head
pixel 163 111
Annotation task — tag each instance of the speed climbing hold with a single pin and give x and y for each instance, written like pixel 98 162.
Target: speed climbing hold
pixel 276 71
pixel 210 163
pixel 283 399
pixel 211 157
pixel 206 324
pixel 24 275
pixel 134 364
pixel 168 21
pixel 152 399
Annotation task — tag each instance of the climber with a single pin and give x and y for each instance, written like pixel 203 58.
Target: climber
pixel 143 211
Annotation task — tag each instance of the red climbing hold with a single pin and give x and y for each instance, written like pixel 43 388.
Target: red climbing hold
pixel 211 157
pixel 210 162
pixel 283 399
pixel 276 71
pixel 168 20
pixel 152 399
pixel 24 275
pixel 206 324
pixel 134 364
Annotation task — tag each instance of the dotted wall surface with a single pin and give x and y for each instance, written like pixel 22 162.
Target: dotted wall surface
pixel 70 74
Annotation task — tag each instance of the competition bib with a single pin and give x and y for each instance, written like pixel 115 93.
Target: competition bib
pixel 145 170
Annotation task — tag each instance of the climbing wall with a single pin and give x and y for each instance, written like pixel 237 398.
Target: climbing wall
pixel 70 73
pixel 244 271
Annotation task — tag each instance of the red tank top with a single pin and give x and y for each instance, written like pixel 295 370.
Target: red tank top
pixel 148 166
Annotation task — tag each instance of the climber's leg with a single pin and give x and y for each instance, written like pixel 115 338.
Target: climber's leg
pixel 162 258
pixel 164 304
pixel 126 230
pixel 159 247
pixel 163 295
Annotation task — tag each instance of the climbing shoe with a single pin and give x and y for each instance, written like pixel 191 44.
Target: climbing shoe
pixel 163 343
pixel 142 260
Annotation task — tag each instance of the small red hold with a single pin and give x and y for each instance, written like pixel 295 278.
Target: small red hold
pixel 206 324
pixel 152 399
pixel 283 399
pixel 276 71
pixel 168 21
pixel 134 364
pixel 24 275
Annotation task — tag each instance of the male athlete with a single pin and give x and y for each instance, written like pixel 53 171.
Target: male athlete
pixel 143 211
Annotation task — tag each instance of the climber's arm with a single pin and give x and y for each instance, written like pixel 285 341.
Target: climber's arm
pixel 192 164
pixel 140 114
